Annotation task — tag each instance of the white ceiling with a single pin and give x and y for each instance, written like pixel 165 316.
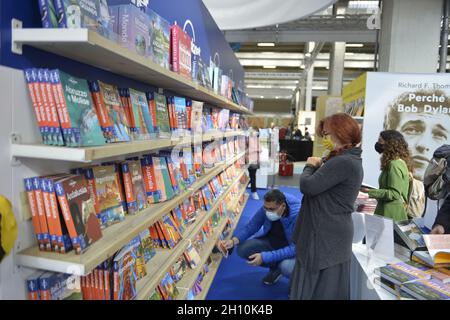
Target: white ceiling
pixel 245 14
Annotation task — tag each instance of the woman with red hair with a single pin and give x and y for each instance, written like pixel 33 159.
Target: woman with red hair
pixel 324 229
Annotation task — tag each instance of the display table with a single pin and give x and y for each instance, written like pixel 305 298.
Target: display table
pixel 297 150
pixel 362 276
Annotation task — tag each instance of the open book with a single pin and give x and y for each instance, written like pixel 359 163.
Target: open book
pixel 411 233
pixel 438 254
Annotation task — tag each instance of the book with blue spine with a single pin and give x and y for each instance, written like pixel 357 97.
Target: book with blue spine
pixel 48 14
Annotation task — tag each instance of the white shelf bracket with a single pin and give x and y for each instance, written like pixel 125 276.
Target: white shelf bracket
pixel 16 47
pixel 15 139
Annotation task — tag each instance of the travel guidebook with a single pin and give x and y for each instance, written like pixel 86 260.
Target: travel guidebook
pixel 78 210
pixel 134 186
pixel 91 14
pixel 139 99
pixel 48 14
pixel 111 114
pixel 180 51
pixel 84 126
pixel 133 28
pixel 108 196
pixel 159 39
pixel 124 275
pixel 138 106
pixel 162 116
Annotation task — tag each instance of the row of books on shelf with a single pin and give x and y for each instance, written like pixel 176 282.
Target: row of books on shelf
pixel 69 210
pixel 145 33
pixel 412 280
pixel 74 112
pixel 117 277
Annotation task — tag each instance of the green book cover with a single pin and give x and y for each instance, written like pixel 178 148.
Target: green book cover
pixel 138 107
pixel 166 177
pixel 86 130
pixel 162 116
pixel 427 290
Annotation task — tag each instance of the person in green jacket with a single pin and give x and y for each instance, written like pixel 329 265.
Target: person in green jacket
pixel 396 166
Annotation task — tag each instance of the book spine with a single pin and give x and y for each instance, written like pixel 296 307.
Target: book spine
pixel 64 205
pixel 90 179
pixel 42 214
pixel 63 109
pixel 149 178
pixel 89 286
pixel 40 103
pixel 161 237
pixel 55 121
pixel 116 284
pixel 60 13
pixel 173 179
pixel 45 14
pixel 46 105
pixel 57 227
pixel 48 214
pixel 189 114
pixel 33 289
pixel 129 190
pixel 31 79
pixel 123 200
pixel 44 289
pixel 102 113
pixel 29 188
pixel 107 283
pixel 164 235
pixel 152 109
pixel 175 48
pixel 101 283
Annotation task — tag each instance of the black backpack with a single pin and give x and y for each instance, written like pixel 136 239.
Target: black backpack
pixel 437 175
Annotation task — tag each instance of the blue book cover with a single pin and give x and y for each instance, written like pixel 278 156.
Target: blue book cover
pixel 48 14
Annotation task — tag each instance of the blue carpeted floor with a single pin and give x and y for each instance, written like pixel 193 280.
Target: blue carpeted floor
pixel 236 280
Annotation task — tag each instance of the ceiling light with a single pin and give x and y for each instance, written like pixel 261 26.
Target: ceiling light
pixel 266 44
pixel 350 53
pixel 354 45
pixel 262 97
pixel 302 66
pixel 269 67
pixel 308 54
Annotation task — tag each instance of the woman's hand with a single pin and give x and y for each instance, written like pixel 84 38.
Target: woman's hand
pixel 314 161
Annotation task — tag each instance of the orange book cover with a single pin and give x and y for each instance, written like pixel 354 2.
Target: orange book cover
pixel 161 235
pixel 29 188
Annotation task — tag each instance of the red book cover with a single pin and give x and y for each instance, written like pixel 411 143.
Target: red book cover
pixel 88 287
pixel 96 285
pixel 58 229
pixel 148 173
pixel 116 283
pixel 189 113
pixel 152 109
pixel 55 122
pixel 181 51
pixel 154 236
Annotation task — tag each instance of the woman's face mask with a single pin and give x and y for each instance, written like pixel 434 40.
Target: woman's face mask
pixel 328 143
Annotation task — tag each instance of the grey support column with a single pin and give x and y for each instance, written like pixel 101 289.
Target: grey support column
pixel 409 36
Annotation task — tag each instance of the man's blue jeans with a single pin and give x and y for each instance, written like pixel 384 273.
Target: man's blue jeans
pixel 258 245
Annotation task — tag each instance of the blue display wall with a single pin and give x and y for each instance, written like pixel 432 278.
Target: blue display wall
pixel 207 36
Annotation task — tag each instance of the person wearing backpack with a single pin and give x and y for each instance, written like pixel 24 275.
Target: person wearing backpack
pixel 394 180
pixel 437 186
pixel 442 222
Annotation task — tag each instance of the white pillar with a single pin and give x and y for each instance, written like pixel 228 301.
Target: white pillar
pixel 336 74
pixel 309 79
pixel 409 36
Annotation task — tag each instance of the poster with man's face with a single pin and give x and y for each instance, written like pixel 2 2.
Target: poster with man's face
pixel 416 105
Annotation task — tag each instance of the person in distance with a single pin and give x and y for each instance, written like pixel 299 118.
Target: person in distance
pixel 270 246
pixel 396 166
pixel 324 230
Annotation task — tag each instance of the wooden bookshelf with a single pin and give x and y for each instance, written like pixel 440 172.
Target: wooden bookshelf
pixel 158 268
pixel 207 282
pixel 88 47
pixel 90 154
pixel 190 276
pixel 114 237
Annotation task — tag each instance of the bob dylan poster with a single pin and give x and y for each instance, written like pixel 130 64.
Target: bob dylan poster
pixel 418 106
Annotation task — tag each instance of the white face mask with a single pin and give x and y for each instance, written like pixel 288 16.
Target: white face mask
pixel 272 216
